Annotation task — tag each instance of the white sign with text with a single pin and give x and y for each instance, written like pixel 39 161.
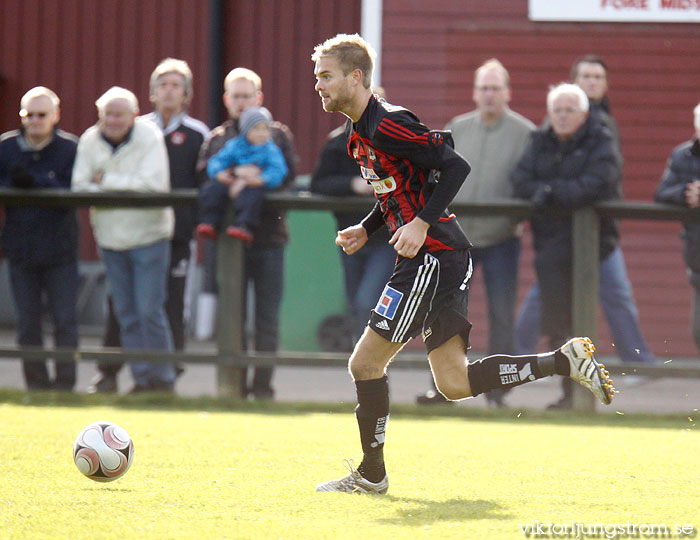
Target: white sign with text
pixel 671 11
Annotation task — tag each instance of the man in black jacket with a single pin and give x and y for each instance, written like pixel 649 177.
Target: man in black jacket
pixel 570 162
pixel 41 243
pixel 680 185
pixel 264 259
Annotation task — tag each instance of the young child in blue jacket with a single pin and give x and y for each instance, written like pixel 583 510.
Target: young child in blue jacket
pixel 241 171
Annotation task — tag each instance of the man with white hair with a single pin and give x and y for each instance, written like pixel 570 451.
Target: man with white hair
pixel 171 92
pixel 572 161
pixel 41 244
pixel 680 185
pixel 125 153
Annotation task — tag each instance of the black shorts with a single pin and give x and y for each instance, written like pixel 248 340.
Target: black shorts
pixel 426 295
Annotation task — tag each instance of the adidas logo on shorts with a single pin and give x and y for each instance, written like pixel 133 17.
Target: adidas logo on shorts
pixel 382 325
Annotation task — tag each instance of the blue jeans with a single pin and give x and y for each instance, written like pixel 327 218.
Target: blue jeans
pixel 138 279
pixel 500 271
pixel 366 273
pixel 264 267
pixel 60 283
pixel 619 307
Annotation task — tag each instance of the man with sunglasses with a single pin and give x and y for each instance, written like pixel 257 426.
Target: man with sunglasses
pixel 41 243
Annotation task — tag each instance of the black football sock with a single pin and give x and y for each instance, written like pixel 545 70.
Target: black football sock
pixel 561 364
pixel 372 414
pixel 504 371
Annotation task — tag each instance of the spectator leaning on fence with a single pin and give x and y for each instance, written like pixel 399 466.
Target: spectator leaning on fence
pixel 491 138
pixel 570 162
pixel 264 258
pixel 41 243
pixel 123 153
pixel 171 91
pixel 680 184
pixel 615 294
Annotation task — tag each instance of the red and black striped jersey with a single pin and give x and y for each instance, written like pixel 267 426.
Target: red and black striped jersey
pixel 403 161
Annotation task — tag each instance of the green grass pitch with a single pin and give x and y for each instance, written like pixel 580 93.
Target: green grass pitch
pixel 207 470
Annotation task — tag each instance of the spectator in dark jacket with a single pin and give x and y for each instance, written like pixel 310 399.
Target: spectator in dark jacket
pixel 41 243
pixel 571 162
pixel 615 294
pixel 680 185
pixel 264 258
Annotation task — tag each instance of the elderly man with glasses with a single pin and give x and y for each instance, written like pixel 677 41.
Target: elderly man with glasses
pixel 41 244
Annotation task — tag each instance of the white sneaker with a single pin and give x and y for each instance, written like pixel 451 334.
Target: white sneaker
pixel 355 483
pixel 586 370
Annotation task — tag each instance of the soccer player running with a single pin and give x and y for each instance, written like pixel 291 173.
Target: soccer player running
pixel 415 173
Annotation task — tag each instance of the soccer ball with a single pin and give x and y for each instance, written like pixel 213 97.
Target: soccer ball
pixel 103 451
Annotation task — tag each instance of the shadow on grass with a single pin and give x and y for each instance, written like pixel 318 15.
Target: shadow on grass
pixel 167 402
pixel 421 512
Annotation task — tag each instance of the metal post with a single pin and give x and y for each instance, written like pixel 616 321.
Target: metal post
pixel 229 335
pixel 584 301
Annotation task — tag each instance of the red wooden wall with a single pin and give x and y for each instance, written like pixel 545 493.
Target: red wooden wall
pixel 430 51
pixel 275 38
pixel 80 48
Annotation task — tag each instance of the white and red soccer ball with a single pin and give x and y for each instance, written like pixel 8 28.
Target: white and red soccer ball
pixel 103 451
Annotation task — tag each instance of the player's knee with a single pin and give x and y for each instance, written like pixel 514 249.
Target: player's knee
pixel 362 370
pixel 451 389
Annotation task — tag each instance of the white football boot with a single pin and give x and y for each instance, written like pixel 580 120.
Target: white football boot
pixel 355 483
pixel 586 370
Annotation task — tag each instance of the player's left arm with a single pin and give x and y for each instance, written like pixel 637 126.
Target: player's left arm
pixel 404 136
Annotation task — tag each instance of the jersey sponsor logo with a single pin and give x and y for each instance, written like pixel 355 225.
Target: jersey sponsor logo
pixel 388 303
pixel 385 185
pixel 178 137
pixel 368 174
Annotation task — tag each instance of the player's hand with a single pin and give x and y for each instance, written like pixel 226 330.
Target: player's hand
pixel 409 238
pixel 351 239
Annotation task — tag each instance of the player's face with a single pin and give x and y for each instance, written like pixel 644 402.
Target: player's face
pixel 593 79
pixel 332 84
pixel 566 116
pixel 39 118
pixel 491 93
pixel 240 95
pixel 170 93
pixel 116 120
